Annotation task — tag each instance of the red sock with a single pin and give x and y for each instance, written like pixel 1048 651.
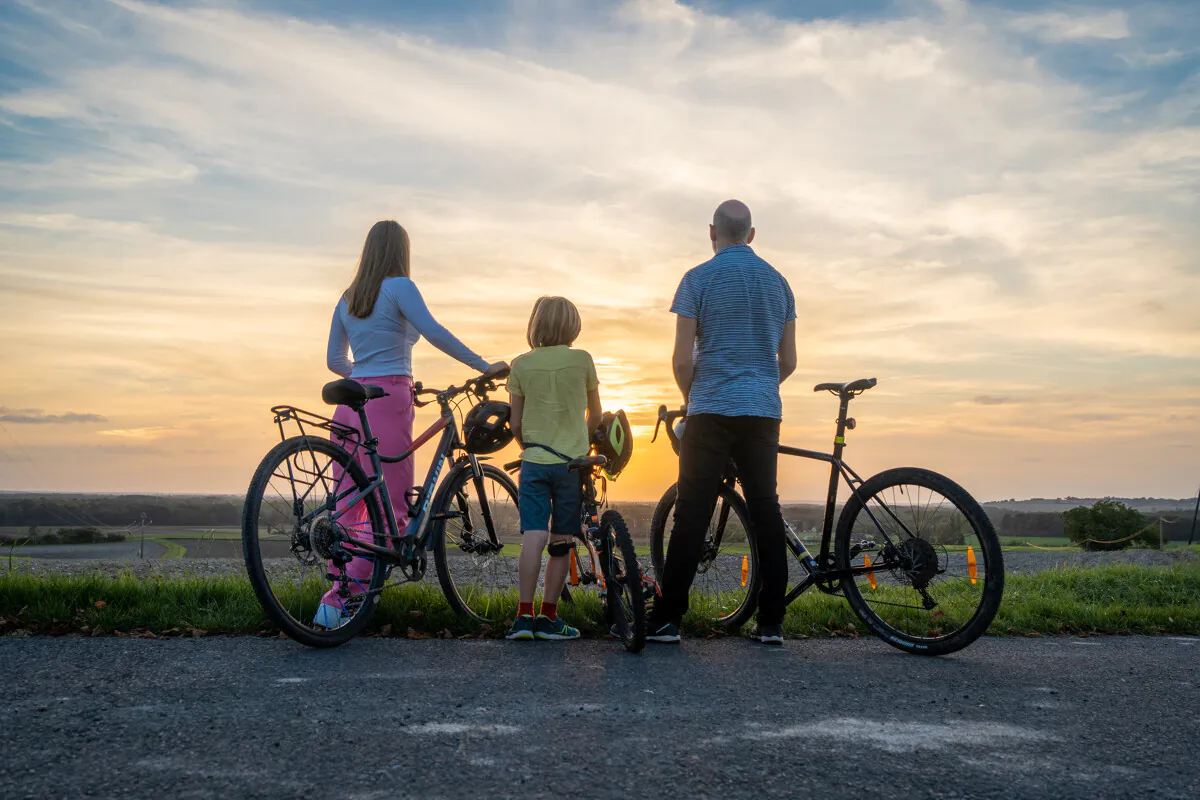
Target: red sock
pixel 524 608
pixel 549 610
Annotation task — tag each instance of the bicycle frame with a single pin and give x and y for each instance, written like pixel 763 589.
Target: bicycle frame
pixel 820 571
pixel 418 533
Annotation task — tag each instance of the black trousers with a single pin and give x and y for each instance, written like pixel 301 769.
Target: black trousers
pixel 709 441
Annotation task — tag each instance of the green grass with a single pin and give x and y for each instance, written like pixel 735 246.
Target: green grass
pixel 1117 599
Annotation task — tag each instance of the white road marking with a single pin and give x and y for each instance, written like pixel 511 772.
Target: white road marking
pixel 1184 641
pixel 456 728
pixel 284 681
pixel 904 737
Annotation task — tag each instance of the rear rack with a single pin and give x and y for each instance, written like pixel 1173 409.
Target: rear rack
pixel 284 414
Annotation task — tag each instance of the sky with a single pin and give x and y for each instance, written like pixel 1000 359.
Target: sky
pixel 991 207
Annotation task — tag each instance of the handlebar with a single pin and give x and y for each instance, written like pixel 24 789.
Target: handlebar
pixel 479 386
pixel 669 416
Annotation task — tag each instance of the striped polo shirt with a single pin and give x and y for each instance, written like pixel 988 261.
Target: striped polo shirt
pixel 740 304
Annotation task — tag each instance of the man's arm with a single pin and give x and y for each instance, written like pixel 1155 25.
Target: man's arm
pixel 787 350
pixel 518 405
pixel 681 361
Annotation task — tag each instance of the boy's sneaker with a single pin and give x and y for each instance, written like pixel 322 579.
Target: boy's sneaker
pixel 553 629
pixel 770 634
pixel 665 634
pixel 522 629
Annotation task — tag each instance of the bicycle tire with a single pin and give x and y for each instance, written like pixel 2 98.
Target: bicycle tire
pixel 735 614
pixel 252 545
pixel 488 602
pixel 619 565
pixel 933 642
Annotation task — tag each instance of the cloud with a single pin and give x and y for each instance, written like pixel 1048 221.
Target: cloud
pixel 186 187
pixel 35 416
pixel 1057 26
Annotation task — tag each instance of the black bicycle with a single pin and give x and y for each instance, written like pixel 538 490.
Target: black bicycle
pixel 603 556
pixel 316 524
pixel 913 553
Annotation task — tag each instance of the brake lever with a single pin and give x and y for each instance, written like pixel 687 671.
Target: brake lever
pixel 657 425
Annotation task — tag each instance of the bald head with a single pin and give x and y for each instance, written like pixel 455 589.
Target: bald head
pixel 731 224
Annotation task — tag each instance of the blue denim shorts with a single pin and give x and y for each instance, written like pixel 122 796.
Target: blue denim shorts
pixel 552 495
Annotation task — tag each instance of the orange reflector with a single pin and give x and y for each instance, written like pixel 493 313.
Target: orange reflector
pixel 574 573
pixel 971 563
pixel 870 575
pixel 745 569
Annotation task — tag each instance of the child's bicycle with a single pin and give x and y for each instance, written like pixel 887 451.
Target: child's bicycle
pixel 603 555
pixel 913 553
pixel 311 508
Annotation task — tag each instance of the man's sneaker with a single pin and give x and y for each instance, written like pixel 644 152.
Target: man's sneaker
pixel 553 629
pixel 770 634
pixel 665 634
pixel 522 629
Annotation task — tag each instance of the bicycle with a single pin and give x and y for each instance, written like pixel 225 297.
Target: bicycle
pixel 311 509
pixel 604 539
pixel 929 583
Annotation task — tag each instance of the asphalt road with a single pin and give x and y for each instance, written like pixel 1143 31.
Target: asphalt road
pixel 245 717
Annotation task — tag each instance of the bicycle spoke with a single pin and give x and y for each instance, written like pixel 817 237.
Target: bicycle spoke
pixel 931 594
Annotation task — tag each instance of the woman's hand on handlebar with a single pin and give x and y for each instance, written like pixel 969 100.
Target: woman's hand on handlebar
pixel 500 369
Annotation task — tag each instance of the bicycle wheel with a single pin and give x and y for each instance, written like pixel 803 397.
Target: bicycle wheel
pixel 727 580
pixel 478 577
pixel 289 523
pixel 623 598
pixel 948 575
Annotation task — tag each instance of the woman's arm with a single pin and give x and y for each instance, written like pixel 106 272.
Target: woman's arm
pixel 335 355
pixel 408 300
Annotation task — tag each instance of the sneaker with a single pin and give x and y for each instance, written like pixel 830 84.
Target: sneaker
pixel 770 634
pixel 553 629
pixel 330 617
pixel 666 634
pixel 522 629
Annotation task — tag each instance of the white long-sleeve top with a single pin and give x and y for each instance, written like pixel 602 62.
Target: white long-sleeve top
pixel 382 343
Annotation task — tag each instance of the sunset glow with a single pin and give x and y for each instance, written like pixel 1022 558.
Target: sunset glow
pixel 991 209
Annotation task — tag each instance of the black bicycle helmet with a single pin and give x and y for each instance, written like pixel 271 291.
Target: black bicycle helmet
pixel 486 427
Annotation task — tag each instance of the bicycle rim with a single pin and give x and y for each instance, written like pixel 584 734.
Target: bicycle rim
pixel 947 577
pixel 477 562
pixel 291 518
pixel 725 588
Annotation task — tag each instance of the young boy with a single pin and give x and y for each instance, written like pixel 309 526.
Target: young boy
pixel 555 407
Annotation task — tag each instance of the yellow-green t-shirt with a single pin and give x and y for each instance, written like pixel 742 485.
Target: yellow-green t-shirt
pixel 555 382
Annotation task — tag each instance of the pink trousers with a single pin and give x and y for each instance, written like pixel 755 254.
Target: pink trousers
pixel 391 421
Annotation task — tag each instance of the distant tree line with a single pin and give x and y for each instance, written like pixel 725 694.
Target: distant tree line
pixel 24 510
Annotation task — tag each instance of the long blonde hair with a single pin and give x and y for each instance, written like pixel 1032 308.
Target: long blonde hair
pixel 384 255
pixel 554 321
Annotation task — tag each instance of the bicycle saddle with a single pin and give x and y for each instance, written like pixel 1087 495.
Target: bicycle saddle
pixel 577 464
pixel 853 387
pixel 350 393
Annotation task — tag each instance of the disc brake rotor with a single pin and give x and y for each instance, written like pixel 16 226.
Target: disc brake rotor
pixel 919 559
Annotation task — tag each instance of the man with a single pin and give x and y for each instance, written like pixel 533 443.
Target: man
pixel 735 342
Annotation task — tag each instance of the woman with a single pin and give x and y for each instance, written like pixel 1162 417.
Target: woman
pixel 380 317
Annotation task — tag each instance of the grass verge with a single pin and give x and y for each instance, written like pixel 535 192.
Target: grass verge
pixel 1122 599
